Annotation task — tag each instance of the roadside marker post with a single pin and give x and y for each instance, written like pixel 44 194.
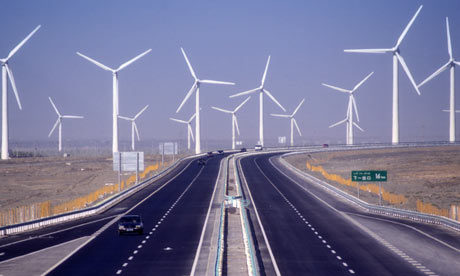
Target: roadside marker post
pixel 370 176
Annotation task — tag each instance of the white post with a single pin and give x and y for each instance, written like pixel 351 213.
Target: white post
pixel 292 132
pixel 452 105
pixel 137 167
pixel 197 121
pixel 233 131
pixel 132 136
pixel 395 129
pixel 5 154
pixel 119 171
pixel 115 113
pixel 60 136
pixel 188 137
pixel 261 118
pixel 350 125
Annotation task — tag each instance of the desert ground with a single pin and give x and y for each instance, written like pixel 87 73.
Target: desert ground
pixel 429 174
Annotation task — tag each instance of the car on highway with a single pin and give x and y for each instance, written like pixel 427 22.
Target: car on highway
pixel 220 151
pixel 209 153
pixel 130 224
pixel 258 147
pixel 244 150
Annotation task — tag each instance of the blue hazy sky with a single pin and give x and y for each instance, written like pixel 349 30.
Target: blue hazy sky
pixel 229 41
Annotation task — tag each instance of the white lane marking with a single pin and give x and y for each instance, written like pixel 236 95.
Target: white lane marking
pixel 135 252
pixel 3 253
pixel 119 271
pixel 328 246
pixel 125 264
pixel 148 237
pixel 139 246
pixel 324 241
pixel 351 271
pixel 338 257
pixel 200 243
pixel 333 251
pixel 150 233
pixel 345 264
pixel 144 241
pixel 130 258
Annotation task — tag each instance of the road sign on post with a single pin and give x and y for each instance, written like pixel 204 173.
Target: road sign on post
pixel 370 176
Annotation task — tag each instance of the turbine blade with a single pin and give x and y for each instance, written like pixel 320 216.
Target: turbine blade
pixel 298 107
pixel 355 107
pixel 96 62
pixel 265 72
pixel 222 110
pixel 409 75
pixel 15 49
pixel 189 93
pixel 401 37
pixel 236 125
pixel 191 118
pixel 281 115
pixel 191 132
pixel 297 126
pixel 457 63
pixel 54 106
pixel 217 82
pixel 54 127
pixel 273 99
pixel 189 65
pixel 449 42
pixel 140 112
pixel 137 131
pixel 356 125
pixel 241 104
pixel 246 92
pixel 337 88
pixel 437 72
pixel 177 120
pixel 126 64
pixel 125 118
pixel 361 82
pixel 338 123
pixel 72 117
pixel 369 51
pixel 13 84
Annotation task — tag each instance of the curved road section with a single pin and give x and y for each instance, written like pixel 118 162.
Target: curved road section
pixel 303 229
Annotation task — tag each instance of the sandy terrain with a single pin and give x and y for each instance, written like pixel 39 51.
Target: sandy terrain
pixel 428 174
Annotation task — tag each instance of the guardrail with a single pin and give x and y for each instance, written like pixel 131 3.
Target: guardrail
pixel 220 240
pixel 36 224
pixel 408 214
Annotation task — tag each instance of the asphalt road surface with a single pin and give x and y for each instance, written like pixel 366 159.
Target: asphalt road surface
pixel 313 232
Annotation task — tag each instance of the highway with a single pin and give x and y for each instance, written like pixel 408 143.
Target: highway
pixel 173 209
pixel 309 231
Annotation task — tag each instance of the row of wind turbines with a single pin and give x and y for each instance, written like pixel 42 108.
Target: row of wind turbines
pixel 261 90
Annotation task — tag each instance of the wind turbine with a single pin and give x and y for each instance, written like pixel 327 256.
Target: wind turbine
pixel 196 87
pixel 134 126
pixel 59 123
pixel 450 64
pixel 189 128
pixel 351 106
pixel 7 73
pixel 115 92
pixel 396 58
pixel 234 120
pixel 293 121
pixel 261 89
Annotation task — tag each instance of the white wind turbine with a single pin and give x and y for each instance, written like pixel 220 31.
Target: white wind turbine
pixel 396 57
pixel 134 126
pixel 115 92
pixel 196 87
pixel 261 89
pixel 293 121
pixel 450 64
pixel 6 73
pixel 351 106
pixel 189 129
pixel 234 120
pixel 59 123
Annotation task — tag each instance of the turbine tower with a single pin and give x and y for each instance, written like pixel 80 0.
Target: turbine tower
pixel 234 120
pixel 115 92
pixel 293 121
pixel 261 89
pixel 189 129
pixel 196 87
pixel 450 64
pixel 396 58
pixel 59 123
pixel 7 73
pixel 134 126
pixel 351 106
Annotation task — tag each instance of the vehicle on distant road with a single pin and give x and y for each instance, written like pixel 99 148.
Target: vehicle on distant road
pixel 220 151
pixel 258 147
pixel 209 153
pixel 325 145
pixel 130 224
pixel 244 150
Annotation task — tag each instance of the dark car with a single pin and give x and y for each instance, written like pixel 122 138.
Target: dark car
pixel 130 224
pixel 244 150
pixel 209 153
pixel 220 151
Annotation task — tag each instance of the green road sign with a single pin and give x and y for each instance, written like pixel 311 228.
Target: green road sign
pixel 369 176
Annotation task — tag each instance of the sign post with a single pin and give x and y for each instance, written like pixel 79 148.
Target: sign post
pixel 128 162
pixel 370 176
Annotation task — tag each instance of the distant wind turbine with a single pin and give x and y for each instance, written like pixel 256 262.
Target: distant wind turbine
pixel 261 89
pixel 351 106
pixel 189 129
pixel 396 58
pixel 7 73
pixel 196 87
pixel 234 120
pixel 59 123
pixel 134 126
pixel 115 92
pixel 293 121
pixel 450 64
